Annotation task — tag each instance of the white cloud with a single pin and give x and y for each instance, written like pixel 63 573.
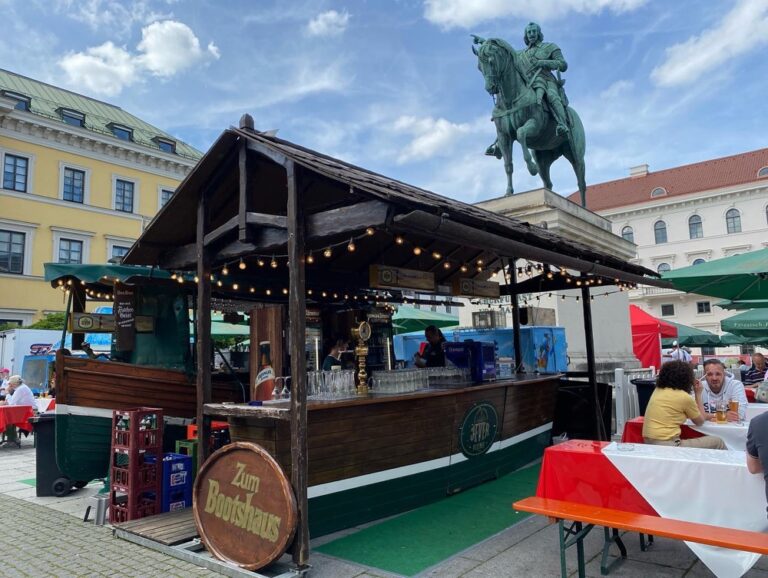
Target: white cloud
pixel 169 47
pixel 431 136
pixel 166 48
pixel 330 23
pixel 117 16
pixel 463 14
pixel 104 69
pixel 741 30
pixel 617 89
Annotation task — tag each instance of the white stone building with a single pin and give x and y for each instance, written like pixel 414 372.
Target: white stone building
pixel 686 215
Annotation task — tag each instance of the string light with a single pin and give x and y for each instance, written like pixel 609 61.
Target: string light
pixel 417 250
pixel 436 255
pixel 235 286
pixel 327 253
pixel 447 265
pixel 285 291
pixel 225 270
pixel 464 269
pixel 219 283
pixel 241 266
pixel 351 246
pixel 252 290
pixel 260 262
pixel 273 262
pixel 310 258
pixel 197 279
pixel 269 292
pixel 370 231
pixel 399 240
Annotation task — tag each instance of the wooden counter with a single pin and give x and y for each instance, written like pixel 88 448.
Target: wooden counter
pixel 376 455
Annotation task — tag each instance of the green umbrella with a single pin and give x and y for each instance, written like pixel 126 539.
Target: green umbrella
pixel 691 337
pixel 728 339
pixel 741 277
pixel 752 323
pixel 740 305
pixel 408 319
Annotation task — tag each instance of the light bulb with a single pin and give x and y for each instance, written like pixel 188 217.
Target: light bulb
pixel 464 269
pixel 436 255
pixel 260 262
pixel 219 283
pixel 197 279
pixel 273 263
pixel 417 250
pixel 327 253
pixel 351 246
pixel 447 265
pixel 310 258
pixel 252 290
pixel 285 291
pixel 235 286
pixel 241 266
pixel 399 240
pixel 269 291
pixel 225 270
pixel 370 231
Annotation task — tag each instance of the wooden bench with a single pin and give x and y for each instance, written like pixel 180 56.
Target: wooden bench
pixel 615 520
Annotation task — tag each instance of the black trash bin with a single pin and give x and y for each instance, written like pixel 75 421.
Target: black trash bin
pixel 645 388
pixel 49 480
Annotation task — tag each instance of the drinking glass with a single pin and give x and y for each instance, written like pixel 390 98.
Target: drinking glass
pixel 721 408
pixel 733 405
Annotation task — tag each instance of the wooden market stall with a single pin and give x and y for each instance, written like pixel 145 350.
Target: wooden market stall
pixel 264 221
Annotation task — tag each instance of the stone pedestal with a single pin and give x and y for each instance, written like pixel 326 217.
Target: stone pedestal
pixel 610 308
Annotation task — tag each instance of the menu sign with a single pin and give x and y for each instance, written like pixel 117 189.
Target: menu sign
pixel 125 317
pixel 244 506
pixel 475 288
pixel 384 277
pixel 91 323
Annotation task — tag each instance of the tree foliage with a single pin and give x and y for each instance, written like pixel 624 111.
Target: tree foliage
pixel 50 321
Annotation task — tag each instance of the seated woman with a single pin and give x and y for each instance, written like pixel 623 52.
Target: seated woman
pixel 671 404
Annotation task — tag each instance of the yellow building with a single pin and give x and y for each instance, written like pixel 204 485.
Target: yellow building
pixel 80 180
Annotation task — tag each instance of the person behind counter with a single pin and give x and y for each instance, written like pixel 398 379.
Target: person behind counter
pixel 433 354
pixel 334 355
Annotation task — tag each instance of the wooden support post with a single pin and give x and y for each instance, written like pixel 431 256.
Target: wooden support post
pixel 515 316
pixel 78 306
pixel 297 313
pixel 204 345
pixel 589 339
pixel 244 198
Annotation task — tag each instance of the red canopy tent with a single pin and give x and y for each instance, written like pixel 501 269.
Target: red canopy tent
pixel 647 332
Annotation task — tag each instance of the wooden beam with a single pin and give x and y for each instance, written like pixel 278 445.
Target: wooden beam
pixel 423 223
pixel 297 347
pixel 271 154
pixel 243 200
pixel 271 238
pixel 203 318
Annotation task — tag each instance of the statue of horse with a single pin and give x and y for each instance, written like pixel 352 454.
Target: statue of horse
pixel 518 117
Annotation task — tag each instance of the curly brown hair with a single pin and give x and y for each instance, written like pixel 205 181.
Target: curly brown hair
pixel 676 375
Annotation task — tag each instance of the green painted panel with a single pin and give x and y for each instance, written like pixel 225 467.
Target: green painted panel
pixel 83 446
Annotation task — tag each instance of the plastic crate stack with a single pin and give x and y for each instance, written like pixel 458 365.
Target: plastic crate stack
pixel 178 476
pixel 135 474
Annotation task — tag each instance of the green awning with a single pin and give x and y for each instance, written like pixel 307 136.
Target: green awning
pixel 728 339
pixel 95 273
pixel 407 319
pixel 741 277
pixel 741 305
pixel 752 323
pixel 691 337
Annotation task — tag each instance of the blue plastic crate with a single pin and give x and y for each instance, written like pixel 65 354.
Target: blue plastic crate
pixel 177 479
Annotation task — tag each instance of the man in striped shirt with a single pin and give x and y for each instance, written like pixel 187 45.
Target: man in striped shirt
pixel 756 373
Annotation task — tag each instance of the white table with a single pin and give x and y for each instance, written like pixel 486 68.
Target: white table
pixel 732 433
pixel 698 485
pixel 754 409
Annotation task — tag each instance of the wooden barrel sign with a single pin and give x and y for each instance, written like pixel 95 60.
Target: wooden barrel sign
pixel 244 506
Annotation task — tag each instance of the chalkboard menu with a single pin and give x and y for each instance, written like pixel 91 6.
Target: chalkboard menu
pixel 125 317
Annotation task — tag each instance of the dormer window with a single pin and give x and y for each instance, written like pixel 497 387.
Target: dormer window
pixel 762 172
pixel 165 144
pixel 658 192
pixel 22 101
pixel 72 117
pixel 121 131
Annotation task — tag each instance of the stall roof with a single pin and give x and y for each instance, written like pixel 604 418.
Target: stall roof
pixel 344 200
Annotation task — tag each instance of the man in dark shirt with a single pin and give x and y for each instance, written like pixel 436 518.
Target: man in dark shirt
pixel 757 447
pixel 433 354
pixel 755 374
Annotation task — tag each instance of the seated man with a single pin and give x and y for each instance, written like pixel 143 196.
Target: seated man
pixel 719 387
pixel 671 404
pixel 757 373
pixel 18 394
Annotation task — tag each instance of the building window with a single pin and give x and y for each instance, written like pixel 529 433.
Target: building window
pixel 663 268
pixel 121 132
pixel 118 252
pixel 668 310
pixel 763 172
pixel 15 173
pixel 660 232
pixel 11 323
pixel 695 230
pixel 658 192
pixel 70 251
pixel 703 307
pixel 165 145
pixel 74 185
pixel 698 262
pixel 12 252
pixel 124 196
pixel 22 101
pixel 72 117
pixel 708 351
pixel 165 196
pixel 733 221
pixel 628 234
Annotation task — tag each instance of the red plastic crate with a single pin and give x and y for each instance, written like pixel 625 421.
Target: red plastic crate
pixel 215 425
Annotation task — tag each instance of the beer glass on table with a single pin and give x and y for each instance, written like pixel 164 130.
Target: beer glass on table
pixel 733 405
pixel 721 410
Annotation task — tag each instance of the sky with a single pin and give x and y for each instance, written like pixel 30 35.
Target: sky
pixel 393 86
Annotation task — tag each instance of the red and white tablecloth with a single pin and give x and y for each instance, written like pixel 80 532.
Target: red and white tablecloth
pixel 692 484
pixel 733 434
pixel 17 415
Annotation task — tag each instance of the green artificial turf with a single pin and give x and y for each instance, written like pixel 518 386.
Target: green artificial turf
pixel 29 482
pixel 421 538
